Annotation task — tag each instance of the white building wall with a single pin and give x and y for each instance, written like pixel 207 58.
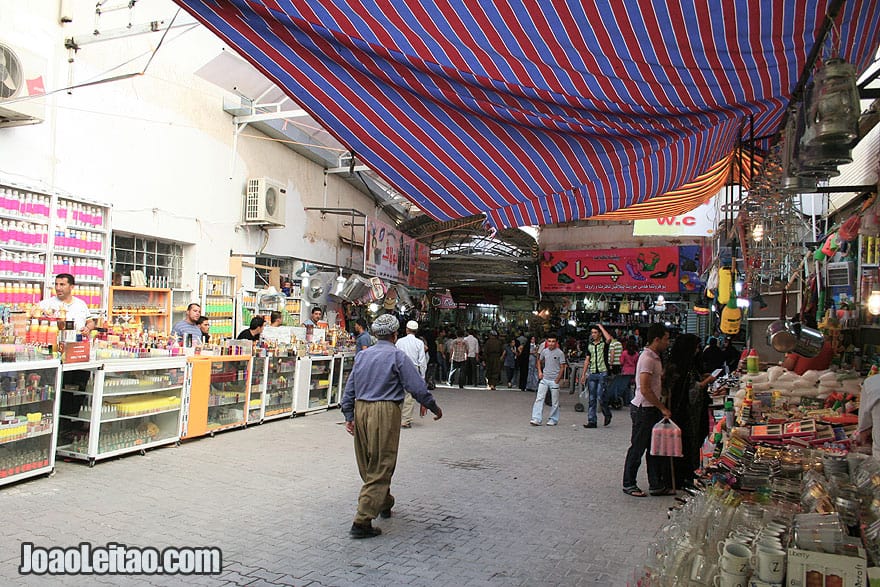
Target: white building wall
pixel 158 147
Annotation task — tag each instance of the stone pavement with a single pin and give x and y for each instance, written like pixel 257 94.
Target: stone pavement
pixel 482 499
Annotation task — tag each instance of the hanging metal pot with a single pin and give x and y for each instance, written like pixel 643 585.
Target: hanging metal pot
pixel 779 335
pixel 809 340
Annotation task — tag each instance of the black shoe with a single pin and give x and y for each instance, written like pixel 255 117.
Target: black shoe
pixel 607 420
pixel 590 425
pixel 364 531
pixel 385 513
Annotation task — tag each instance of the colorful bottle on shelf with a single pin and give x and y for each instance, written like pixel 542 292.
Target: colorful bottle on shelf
pixel 753 362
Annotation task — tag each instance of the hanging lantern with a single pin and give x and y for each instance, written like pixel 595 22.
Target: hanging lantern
pixel 806 167
pixel 834 109
pixel 791 182
pixel 826 155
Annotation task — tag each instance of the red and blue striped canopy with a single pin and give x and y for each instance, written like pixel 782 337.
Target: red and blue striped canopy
pixel 544 111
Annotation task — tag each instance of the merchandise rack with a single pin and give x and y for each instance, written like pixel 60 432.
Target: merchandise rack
pixel 28 450
pixel 218 393
pixel 96 423
pixel 280 383
pixel 50 233
pixel 314 378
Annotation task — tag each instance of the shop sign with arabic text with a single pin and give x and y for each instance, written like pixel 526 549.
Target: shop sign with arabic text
pixel 648 269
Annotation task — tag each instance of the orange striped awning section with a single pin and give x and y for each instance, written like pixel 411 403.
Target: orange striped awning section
pixel 736 167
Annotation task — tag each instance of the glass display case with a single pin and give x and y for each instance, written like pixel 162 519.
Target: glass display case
pixel 280 383
pixel 258 379
pixel 218 394
pixel 313 382
pixel 28 418
pixel 145 305
pixel 342 364
pixel 120 406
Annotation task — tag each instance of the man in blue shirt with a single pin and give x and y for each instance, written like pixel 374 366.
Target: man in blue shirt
pixel 364 340
pixel 381 375
pixel 189 324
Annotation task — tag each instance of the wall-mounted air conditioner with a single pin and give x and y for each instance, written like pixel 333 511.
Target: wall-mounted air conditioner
pixel 264 202
pixel 21 76
pixel 840 274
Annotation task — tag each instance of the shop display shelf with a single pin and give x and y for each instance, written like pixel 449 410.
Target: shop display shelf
pixel 36 401
pixel 147 415
pixel 65 252
pixel 28 436
pixel 68 452
pixel 21 277
pixel 37 220
pixel 88 228
pixel 38 470
pixel 142 391
pixel 232 403
pixel 32 249
pixel 278 413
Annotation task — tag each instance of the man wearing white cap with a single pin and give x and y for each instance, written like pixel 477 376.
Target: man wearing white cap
pixel 414 348
pixel 381 376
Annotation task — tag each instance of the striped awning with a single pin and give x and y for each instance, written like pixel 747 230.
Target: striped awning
pixel 539 112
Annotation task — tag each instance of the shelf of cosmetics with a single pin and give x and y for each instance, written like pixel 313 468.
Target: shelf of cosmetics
pixel 812 522
pixel 129 407
pixel 24 296
pixel 16 462
pixel 15 203
pixel 28 234
pixel 111 441
pixel 14 427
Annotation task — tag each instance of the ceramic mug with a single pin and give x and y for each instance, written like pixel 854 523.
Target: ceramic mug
pixel 768 542
pixel 724 579
pixel 733 540
pixel 734 565
pixel 769 564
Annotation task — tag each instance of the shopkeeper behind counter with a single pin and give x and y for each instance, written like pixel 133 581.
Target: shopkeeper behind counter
pixel 255 330
pixel 63 303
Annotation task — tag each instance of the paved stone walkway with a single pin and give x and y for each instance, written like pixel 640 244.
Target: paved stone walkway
pixel 482 499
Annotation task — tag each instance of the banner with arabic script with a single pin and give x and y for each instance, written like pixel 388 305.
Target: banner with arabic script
pixel 648 269
pixel 391 255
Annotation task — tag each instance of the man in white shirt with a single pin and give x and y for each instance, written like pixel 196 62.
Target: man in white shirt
pixel 473 351
pixel 414 348
pixel 64 304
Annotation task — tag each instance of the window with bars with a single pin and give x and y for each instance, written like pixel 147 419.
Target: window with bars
pixel 155 257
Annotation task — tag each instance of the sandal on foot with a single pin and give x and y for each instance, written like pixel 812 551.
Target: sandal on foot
pixel 634 491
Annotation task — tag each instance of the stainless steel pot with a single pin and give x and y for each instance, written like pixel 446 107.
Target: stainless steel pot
pixel 779 334
pixel 809 340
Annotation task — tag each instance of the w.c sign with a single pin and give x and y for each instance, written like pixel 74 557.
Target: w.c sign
pixel 697 222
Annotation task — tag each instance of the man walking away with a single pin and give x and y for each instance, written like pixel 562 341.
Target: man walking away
pixel 414 348
pixel 646 409
pixel 492 349
pixel 381 375
pixel 551 370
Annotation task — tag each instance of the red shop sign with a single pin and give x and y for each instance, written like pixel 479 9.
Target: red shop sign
pixel 648 269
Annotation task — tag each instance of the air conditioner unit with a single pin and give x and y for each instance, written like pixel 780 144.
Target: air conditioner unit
pixel 840 274
pixel 21 76
pixel 264 202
